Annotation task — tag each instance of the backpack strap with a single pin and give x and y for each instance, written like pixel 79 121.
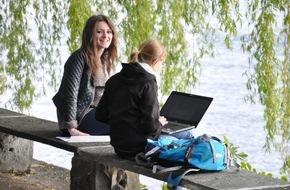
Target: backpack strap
pixel 187 155
pixel 225 148
pixel 213 150
pixel 226 157
pixel 142 160
pixel 174 179
pixel 160 169
pixel 233 165
pixel 152 151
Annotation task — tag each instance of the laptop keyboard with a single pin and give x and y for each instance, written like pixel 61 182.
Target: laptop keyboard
pixel 172 126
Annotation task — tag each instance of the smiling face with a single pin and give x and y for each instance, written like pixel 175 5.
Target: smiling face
pixel 103 35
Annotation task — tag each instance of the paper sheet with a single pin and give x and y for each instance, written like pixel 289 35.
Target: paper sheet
pixel 77 139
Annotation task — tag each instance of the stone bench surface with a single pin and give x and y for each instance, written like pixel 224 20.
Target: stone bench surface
pixel 45 131
pixel 36 129
pixel 225 180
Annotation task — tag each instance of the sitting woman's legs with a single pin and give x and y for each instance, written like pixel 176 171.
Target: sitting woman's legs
pixel 93 127
pixel 183 134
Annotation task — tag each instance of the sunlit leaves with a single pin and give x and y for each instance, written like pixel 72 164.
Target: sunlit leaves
pixel 25 94
pixel 233 150
pixel 15 46
pixel 3 81
pixel 78 12
pixel 240 158
pixel 269 50
pixel 30 35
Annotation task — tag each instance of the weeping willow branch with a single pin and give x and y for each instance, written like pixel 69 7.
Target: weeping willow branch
pixel 269 50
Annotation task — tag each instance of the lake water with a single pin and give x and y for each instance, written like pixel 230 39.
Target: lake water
pixel 228 114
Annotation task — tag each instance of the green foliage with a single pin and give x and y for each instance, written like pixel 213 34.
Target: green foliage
pixel 28 37
pixel 247 166
pixel 164 186
pixel 78 13
pixel 3 80
pixel 143 187
pixel 234 151
pixel 270 58
pixel 240 157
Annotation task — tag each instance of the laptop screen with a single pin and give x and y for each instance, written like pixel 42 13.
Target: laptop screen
pixel 185 108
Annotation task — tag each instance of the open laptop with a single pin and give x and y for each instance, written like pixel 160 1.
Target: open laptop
pixel 183 111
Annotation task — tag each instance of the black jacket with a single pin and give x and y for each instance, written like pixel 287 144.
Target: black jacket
pixel 76 91
pixel 130 106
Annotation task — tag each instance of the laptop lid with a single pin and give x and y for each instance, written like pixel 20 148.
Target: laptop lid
pixel 185 108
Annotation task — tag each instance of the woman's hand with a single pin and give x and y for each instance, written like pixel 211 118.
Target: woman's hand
pixel 163 121
pixel 75 132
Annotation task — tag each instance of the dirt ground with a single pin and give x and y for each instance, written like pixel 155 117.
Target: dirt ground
pixel 42 176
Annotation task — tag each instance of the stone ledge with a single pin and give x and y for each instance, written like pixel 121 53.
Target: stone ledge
pixel 36 129
pixel 225 180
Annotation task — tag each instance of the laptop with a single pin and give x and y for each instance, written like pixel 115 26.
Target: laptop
pixel 183 111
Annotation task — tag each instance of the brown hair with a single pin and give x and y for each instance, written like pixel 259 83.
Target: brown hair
pixel 110 55
pixel 149 51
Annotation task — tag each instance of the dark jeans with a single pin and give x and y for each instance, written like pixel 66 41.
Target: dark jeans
pixel 91 126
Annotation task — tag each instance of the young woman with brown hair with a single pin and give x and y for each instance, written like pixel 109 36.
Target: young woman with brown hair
pixel 85 73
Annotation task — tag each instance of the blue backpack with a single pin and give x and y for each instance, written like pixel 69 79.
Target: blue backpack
pixel 206 153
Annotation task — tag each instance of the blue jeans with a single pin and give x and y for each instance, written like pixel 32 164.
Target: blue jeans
pixel 180 135
pixel 183 134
